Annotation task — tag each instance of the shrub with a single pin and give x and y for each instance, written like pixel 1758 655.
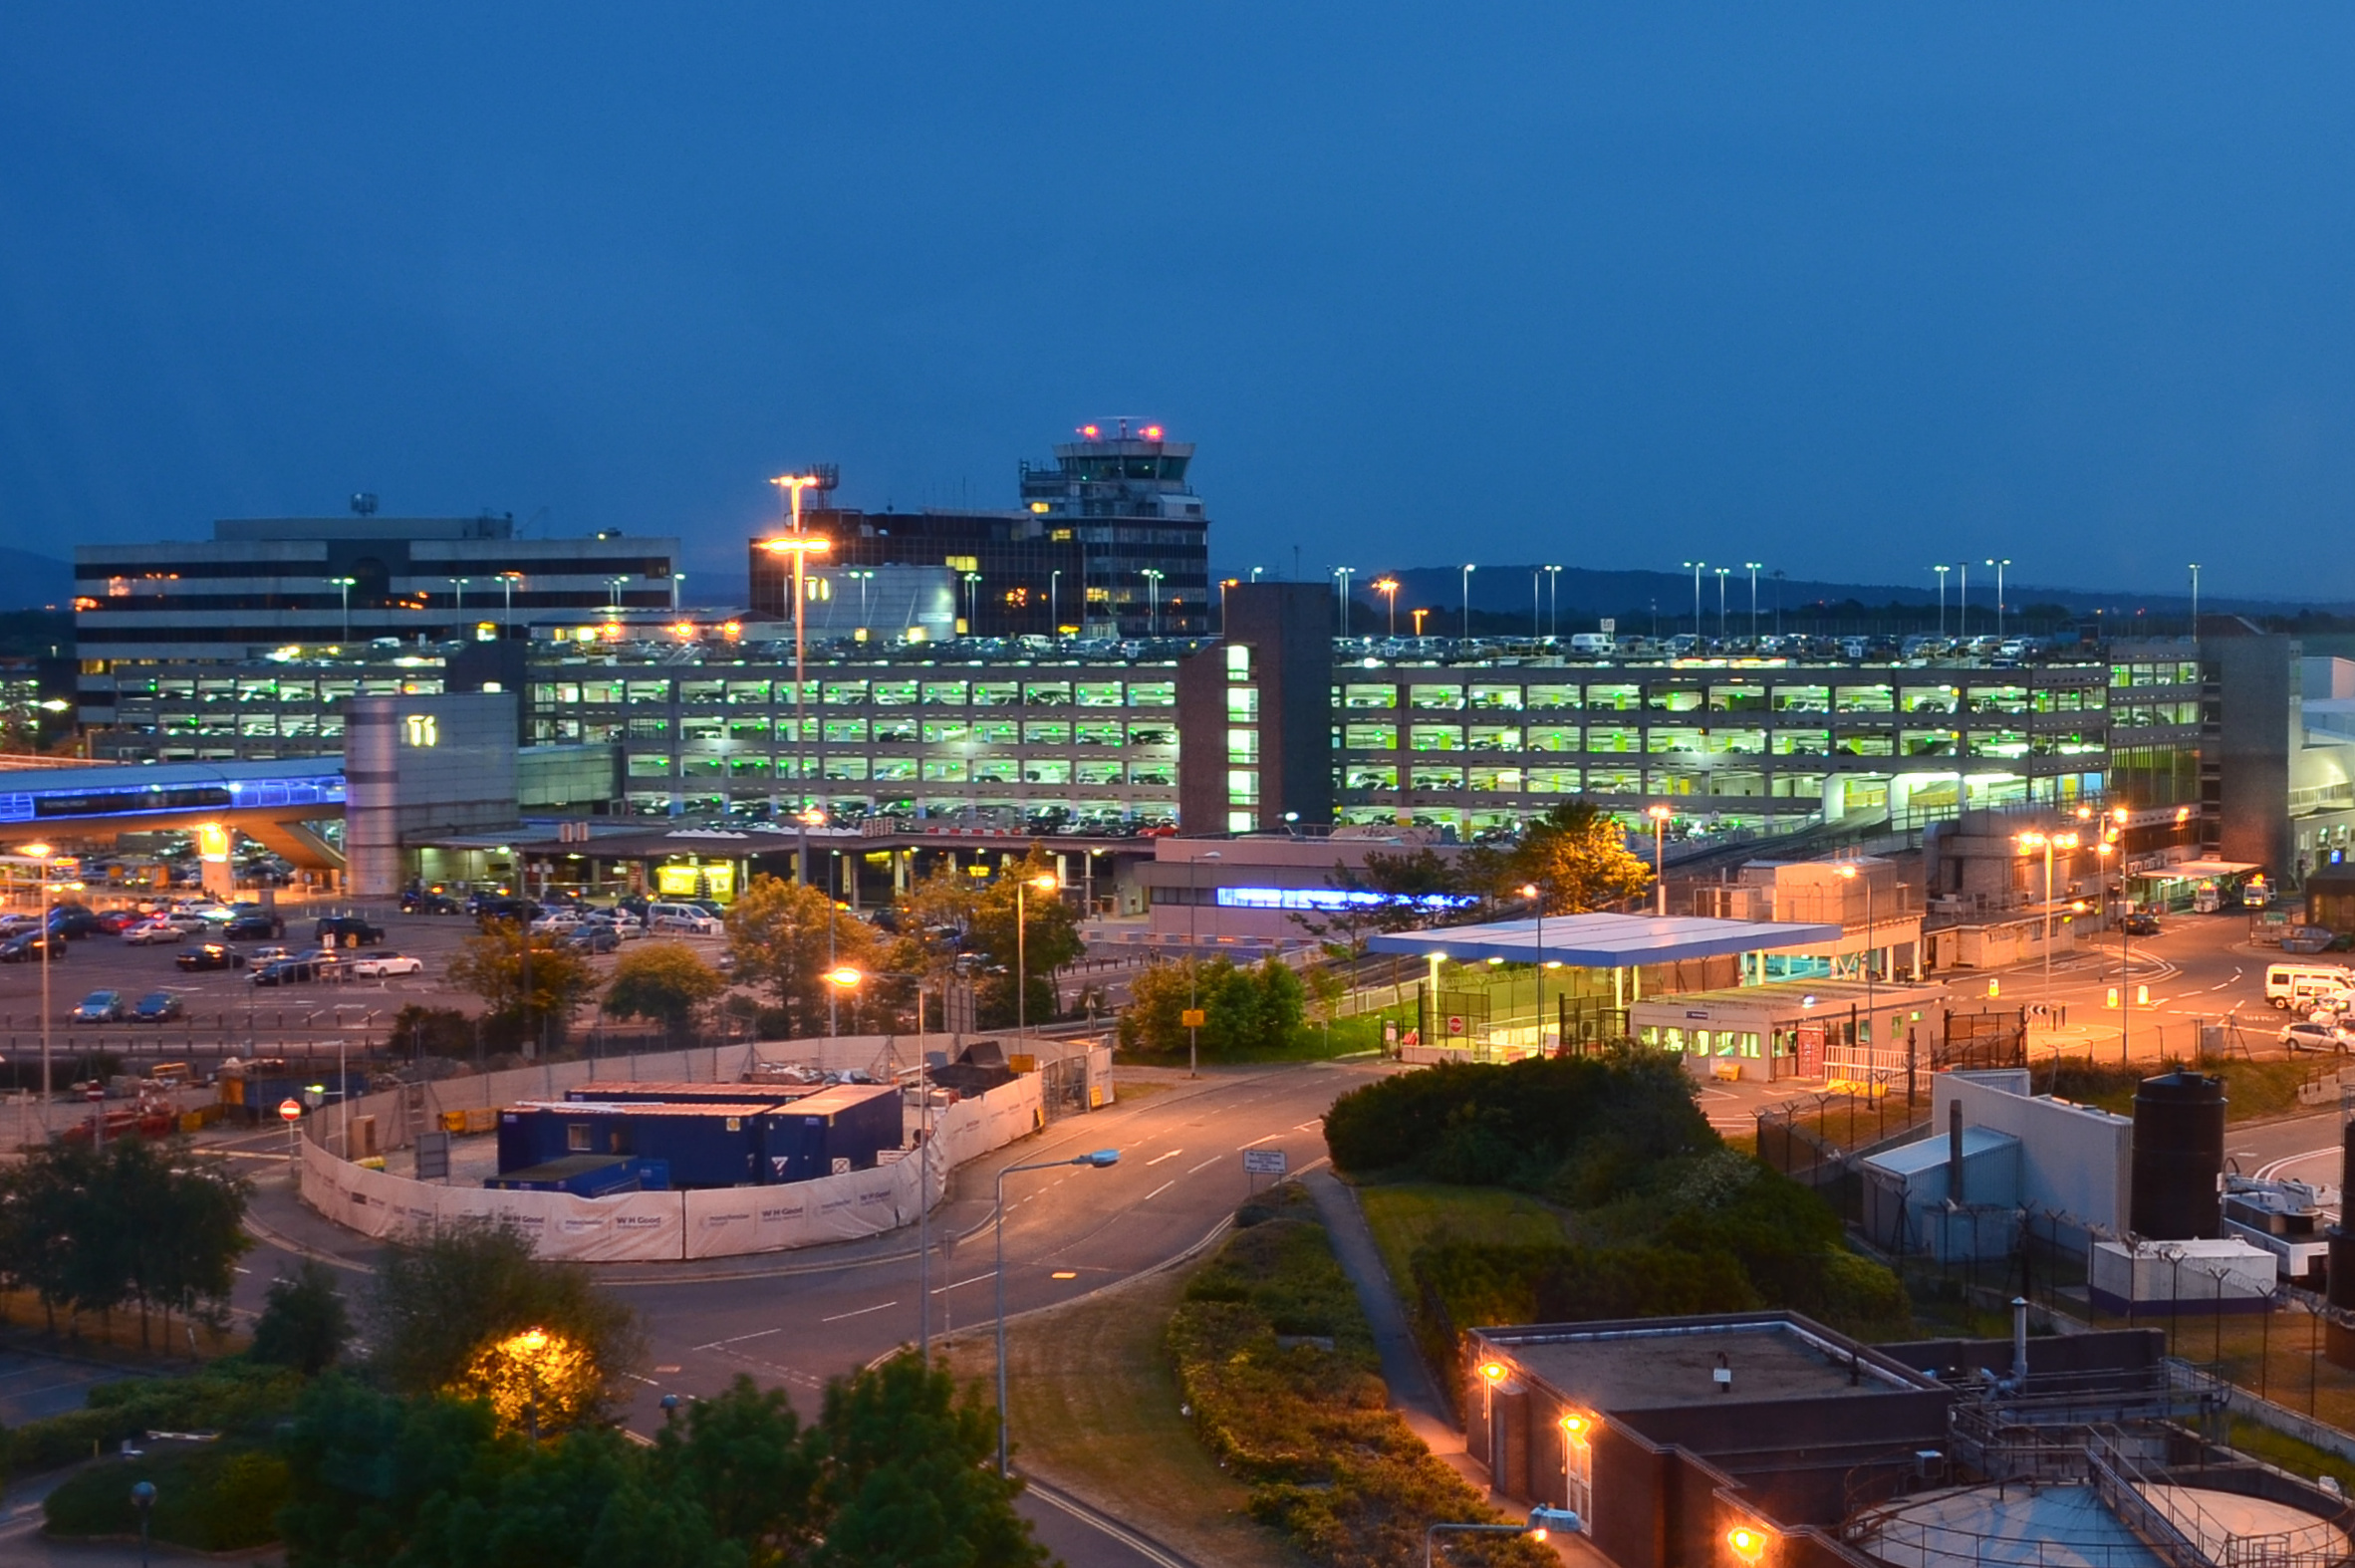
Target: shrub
pixel 1307 1427
pixel 1581 1125
pixel 210 1500
pixel 227 1396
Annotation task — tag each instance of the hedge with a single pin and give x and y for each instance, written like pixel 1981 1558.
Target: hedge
pixel 1277 1364
pixel 228 1397
pixel 1578 1128
pixel 211 1499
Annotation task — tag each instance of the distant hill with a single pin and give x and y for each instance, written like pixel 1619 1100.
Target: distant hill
pixel 34 581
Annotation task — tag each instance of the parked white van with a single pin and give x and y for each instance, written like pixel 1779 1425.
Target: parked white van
pixel 687 917
pixel 1593 643
pixel 2287 983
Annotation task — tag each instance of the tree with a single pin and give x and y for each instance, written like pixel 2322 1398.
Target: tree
pixel 1575 854
pixel 451 1308
pixel 1391 892
pixel 1049 938
pixel 1245 1011
pixel 154 1225
pixel 785 936
pixel 905 1482
pixel 493 966
pixel 664 981
pixel 304 1324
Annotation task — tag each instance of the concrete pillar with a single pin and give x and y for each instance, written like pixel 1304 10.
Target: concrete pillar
pixel 371 831
pixel 1835 797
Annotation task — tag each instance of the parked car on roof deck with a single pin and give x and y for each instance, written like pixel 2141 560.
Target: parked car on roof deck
pixel 211 956
pixel 159 1008
pixel 377 966
pixel 99 1008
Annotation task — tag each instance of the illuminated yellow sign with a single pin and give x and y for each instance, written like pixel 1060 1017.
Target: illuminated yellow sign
pixel 421 730
pixel 212 841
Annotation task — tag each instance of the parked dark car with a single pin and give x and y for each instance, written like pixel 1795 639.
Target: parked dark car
pixel 285 971
pixel 74 921
pixel 493 907
pixel 419 902
pixel 211 956
pixel 159 1008
pixel 255 926
pixel 346 931
pixel 2141 925
pixel 595 936
pixel 31 947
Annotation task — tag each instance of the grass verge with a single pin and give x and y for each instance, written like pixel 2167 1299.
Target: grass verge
pixel 1095 1411
pixel 2293 1454
pixel 2252 1088
pixel 1406 1215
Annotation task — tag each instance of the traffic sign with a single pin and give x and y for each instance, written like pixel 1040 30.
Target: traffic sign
pixel 1455 1023
pixel 290 1110
pixel 1263 1162
pixel 1191 1018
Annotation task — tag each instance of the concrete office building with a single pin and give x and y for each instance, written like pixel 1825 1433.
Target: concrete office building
pixel 262 584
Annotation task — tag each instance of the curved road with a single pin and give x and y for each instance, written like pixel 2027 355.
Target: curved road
pixel 797 1319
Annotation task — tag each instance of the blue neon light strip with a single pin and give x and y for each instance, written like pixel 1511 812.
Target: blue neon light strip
pixel 1331 898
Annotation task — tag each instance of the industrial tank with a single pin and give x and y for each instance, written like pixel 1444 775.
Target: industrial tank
pixel 2179 1157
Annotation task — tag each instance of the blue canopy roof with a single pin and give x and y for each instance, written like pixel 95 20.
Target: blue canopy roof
pixel 1607 941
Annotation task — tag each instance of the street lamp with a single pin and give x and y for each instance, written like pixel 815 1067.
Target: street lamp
pixel 1695 568
pixel 863 578
pixel 347 584
pixel 1752 566
pixel 1660 820
pixel 1345 573
pixel 459 596
pixel 1998 566
pixel 508 580
pixel 2047 842
pixel 2194 600
pixel 1962 600
pixel 1046 883
pixel 1193 1001
pixel 1468 569
pixel 1098 1161
pixel 1850 871
pixel 1942 571
pixel 42 853
pixel 677 578
pixel 1387 587
pixel 1720 573
pixel 1153 600
pixel 1553 600
pixel 845 978
pixel 142 1498
pixel 973 603
pixel 1537 896
pixel 1055 600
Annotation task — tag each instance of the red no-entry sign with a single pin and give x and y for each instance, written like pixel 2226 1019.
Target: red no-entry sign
pixel 290 1110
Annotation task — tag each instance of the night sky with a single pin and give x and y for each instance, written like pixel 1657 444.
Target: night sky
pixel 1845 289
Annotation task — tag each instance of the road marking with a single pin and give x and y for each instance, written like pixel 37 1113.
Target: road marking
pixel 740 1338
pixel 1207 1164
pixel 1064 1273
pixel 1256 1142
pixel 961 1284
pixel 2266 1173
pixel 862 1312
pixel 1158 1190
pixel 1171 1154
pixel 1305 1127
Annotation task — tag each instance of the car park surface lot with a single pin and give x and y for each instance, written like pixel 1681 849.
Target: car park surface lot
pixel 99 963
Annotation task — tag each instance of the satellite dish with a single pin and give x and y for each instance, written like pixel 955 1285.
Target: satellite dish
pixel 364 503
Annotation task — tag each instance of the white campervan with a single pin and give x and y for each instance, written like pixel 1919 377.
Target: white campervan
pixel 2296 984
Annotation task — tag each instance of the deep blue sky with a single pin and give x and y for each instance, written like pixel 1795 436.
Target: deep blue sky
pixel 1845 289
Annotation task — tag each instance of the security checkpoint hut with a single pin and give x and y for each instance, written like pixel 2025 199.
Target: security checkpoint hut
pixel 1519 987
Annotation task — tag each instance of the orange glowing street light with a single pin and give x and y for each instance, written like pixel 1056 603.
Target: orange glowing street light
pixel 1387 587
pixel 800 547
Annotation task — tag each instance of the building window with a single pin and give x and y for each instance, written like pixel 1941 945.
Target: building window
pixel 1242 787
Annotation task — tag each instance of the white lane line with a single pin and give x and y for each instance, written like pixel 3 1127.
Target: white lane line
pixel 862 1312
pixel 1158 1190
pixel 1308 1127
pixel 943 1291
pixel 2266 1173
pixel 1171 1154
pixel 1207 1164
pixel 1256 1142
pixel 740 1338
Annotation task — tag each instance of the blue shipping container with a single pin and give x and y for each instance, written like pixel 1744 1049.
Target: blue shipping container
pixel 840 1129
